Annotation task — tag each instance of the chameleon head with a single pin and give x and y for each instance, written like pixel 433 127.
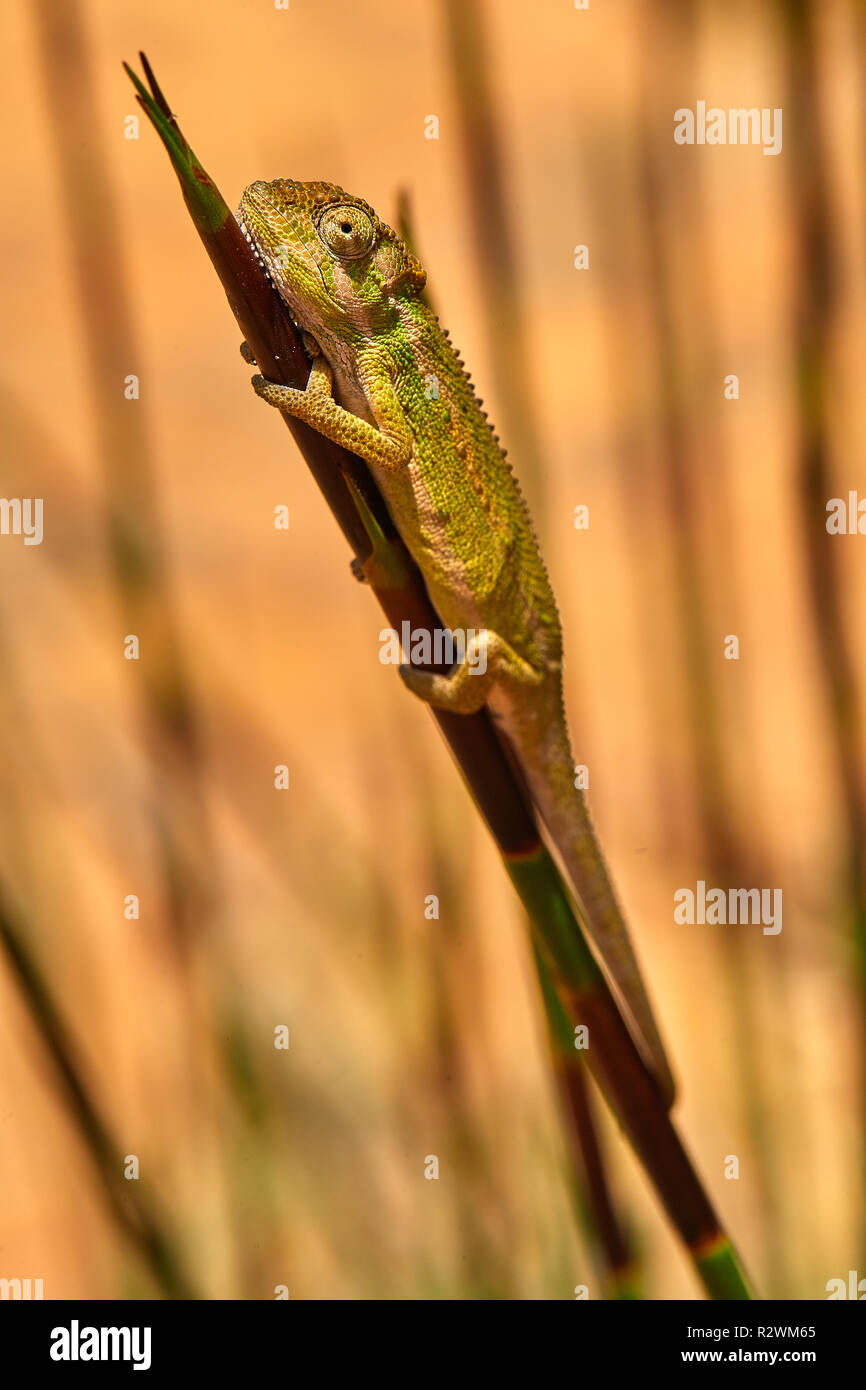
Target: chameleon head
pixel 336 265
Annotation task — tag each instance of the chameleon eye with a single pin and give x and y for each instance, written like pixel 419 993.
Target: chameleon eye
pixel 347 232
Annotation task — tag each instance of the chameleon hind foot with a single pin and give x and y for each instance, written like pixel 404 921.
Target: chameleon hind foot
pixel 487 661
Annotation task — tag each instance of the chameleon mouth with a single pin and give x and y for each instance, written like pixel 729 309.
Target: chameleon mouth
pixel 250 236
pixel 253 243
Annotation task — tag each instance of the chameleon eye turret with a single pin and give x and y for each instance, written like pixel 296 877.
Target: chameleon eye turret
pixel 347 232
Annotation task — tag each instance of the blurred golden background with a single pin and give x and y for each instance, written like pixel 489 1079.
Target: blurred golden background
pixel 259 907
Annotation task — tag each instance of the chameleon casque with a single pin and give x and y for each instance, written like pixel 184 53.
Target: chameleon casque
pixel 355 291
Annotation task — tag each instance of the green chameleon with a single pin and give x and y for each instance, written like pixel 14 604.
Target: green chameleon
pixel 387 384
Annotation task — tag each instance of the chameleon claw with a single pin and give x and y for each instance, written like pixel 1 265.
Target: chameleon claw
pixel 311 346
pixel 413 679
pixel 357 569
pixel 247 354
pixel 268 390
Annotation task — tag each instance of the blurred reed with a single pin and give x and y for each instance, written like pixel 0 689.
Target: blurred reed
pixel 501 294
pixel 820 277
pixel 684 351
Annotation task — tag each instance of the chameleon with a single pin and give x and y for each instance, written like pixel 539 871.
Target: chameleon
pixel 387 384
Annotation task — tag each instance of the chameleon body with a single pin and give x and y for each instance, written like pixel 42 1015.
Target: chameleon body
pixel 387 384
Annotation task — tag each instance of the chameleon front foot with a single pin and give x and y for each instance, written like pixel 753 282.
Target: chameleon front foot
pixel 390 447
pixel 281 397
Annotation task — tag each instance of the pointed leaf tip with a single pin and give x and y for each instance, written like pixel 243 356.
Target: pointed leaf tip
pixel 155 88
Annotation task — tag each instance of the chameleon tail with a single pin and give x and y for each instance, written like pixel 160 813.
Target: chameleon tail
pixel 565 813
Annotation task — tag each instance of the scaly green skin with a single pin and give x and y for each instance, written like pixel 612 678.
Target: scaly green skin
pixel 387 384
